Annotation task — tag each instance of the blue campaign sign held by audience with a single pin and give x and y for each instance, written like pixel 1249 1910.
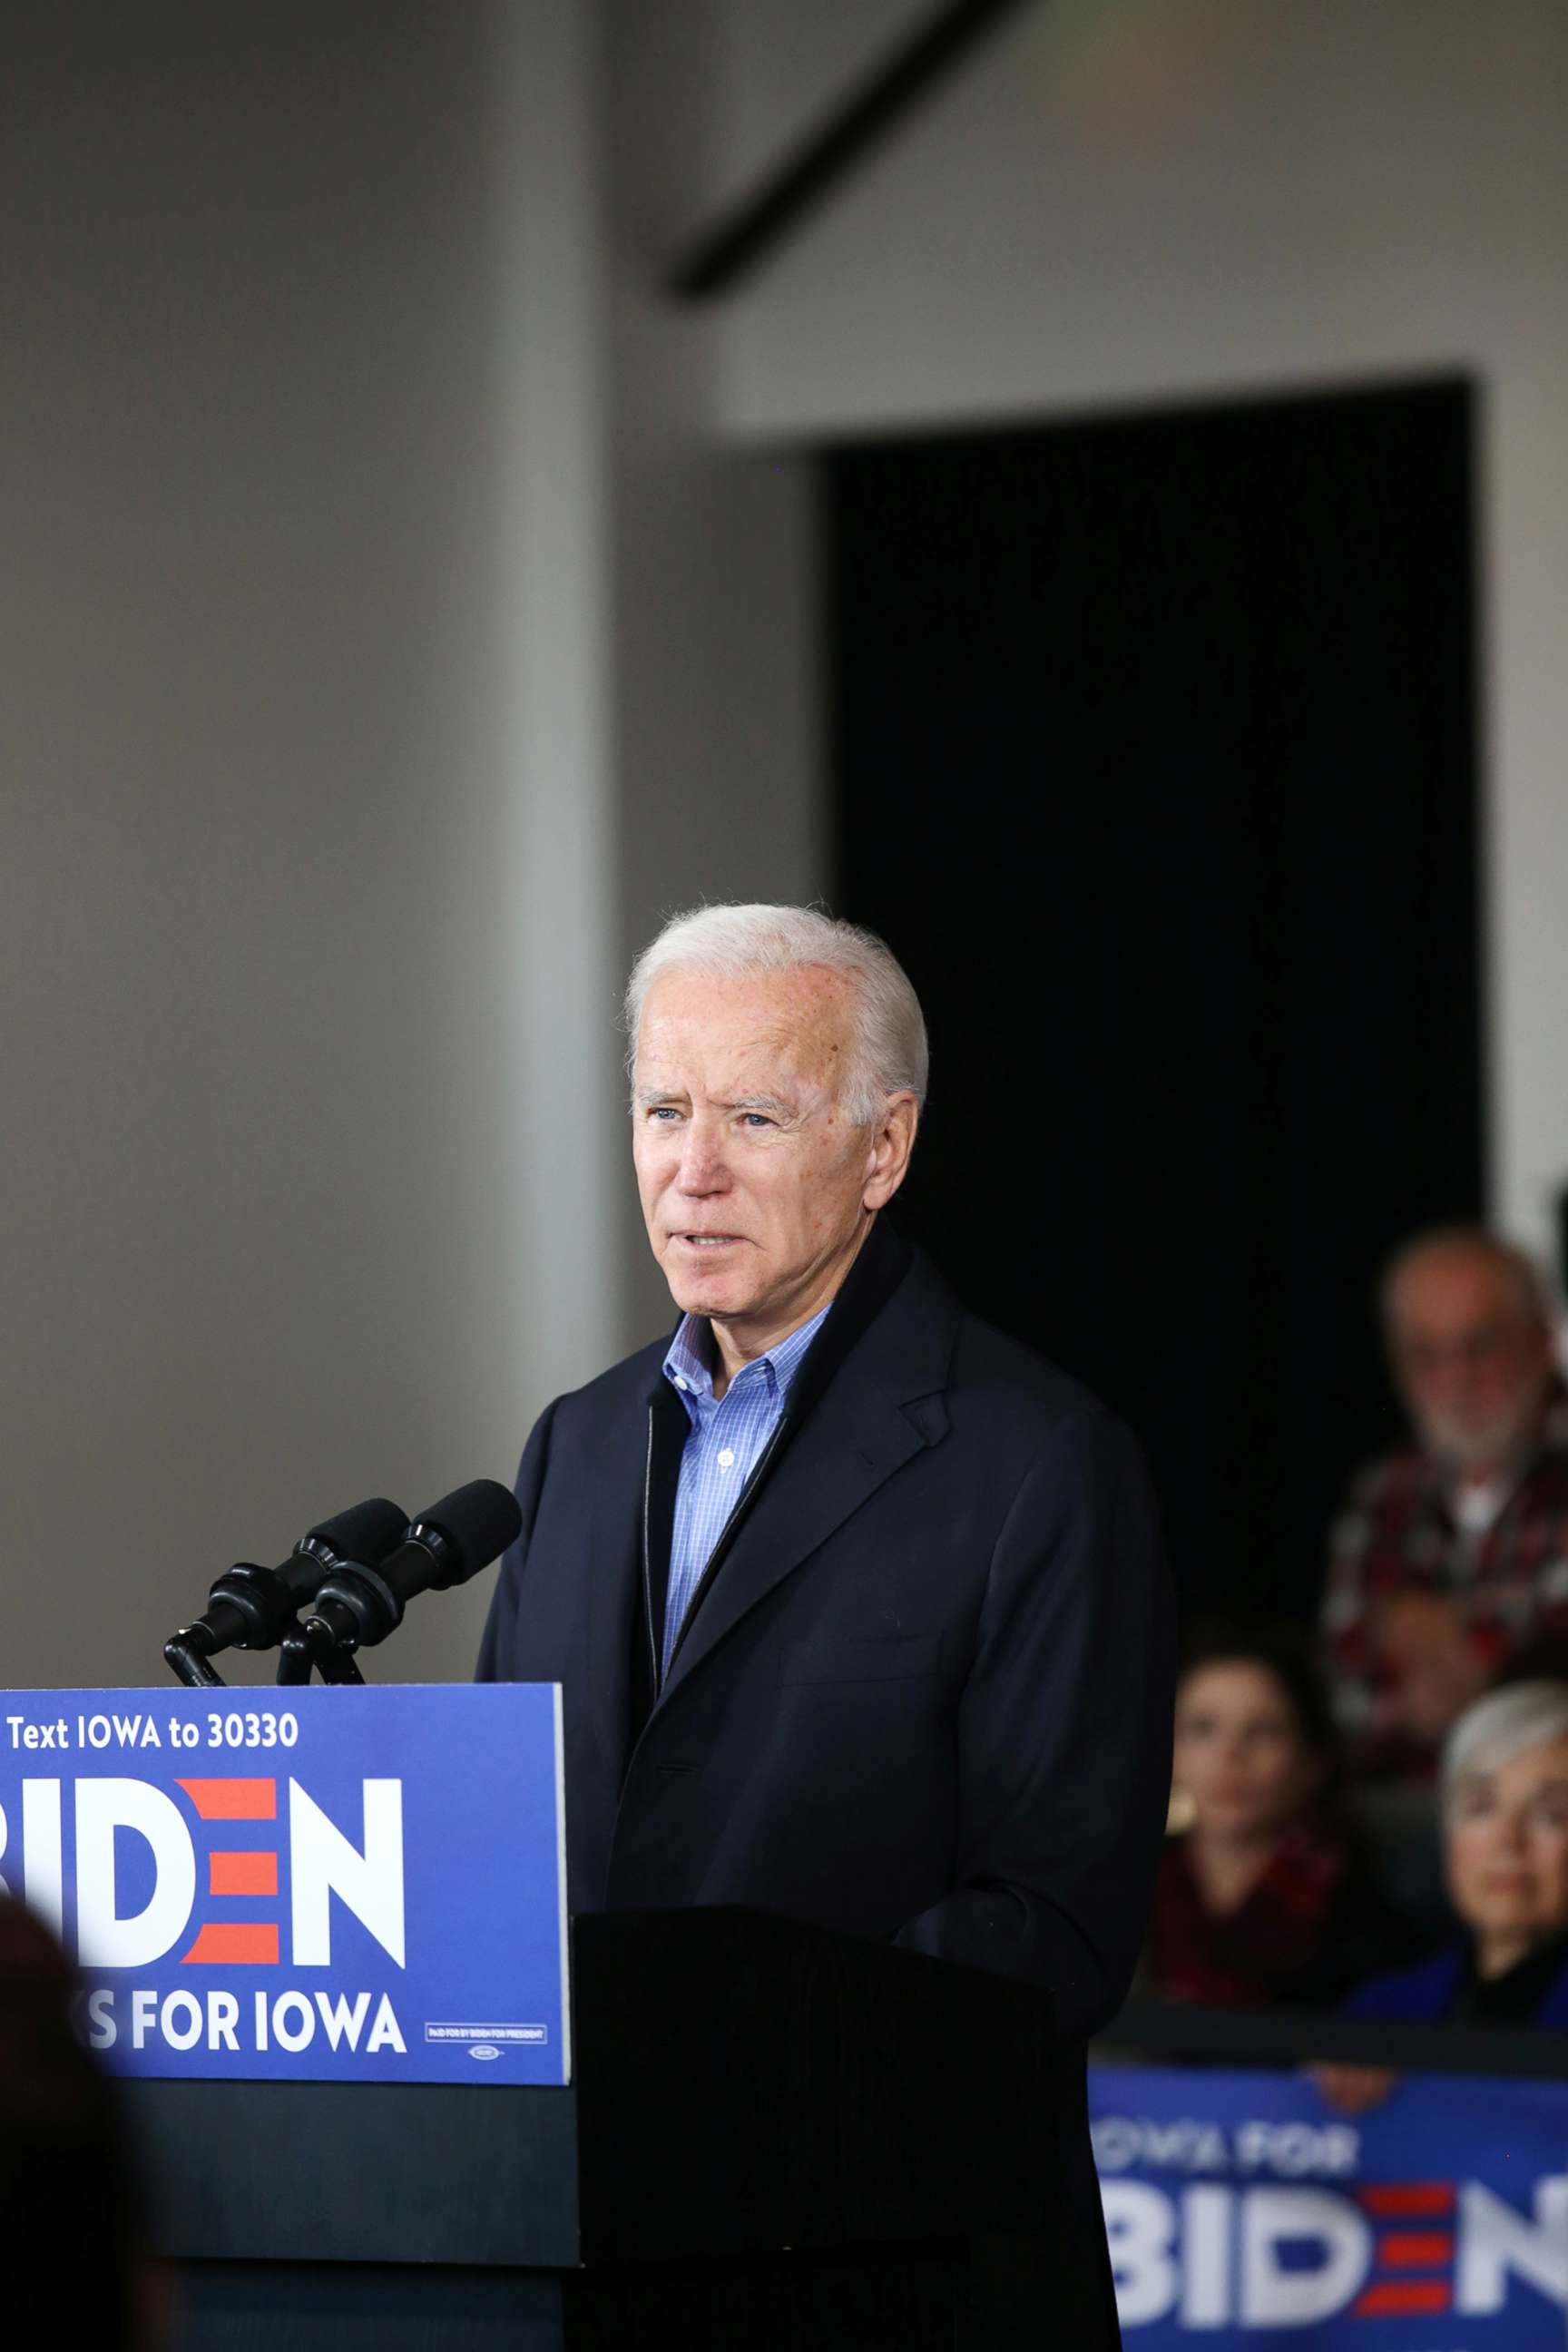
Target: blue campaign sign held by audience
pixel 344 1884
pixel 1242 2210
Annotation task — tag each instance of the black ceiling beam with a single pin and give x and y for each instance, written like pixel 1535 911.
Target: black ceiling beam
pixel 718 259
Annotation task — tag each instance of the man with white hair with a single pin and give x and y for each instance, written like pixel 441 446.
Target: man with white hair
pixel 858 1605
pixel 1452 1556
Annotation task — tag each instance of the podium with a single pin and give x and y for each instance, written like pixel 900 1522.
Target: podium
pixel 384 2097
pixel 776 2135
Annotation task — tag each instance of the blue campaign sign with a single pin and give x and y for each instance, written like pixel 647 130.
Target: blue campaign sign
pixel 356 1884
pixel 1242 2210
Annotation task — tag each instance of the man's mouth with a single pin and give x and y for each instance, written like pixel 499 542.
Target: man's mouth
pixel 708 1241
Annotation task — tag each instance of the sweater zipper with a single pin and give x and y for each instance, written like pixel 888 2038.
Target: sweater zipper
pixel 647 1566
pixel 652 1649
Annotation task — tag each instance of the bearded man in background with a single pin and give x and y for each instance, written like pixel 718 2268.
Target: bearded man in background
pixel 1450 1562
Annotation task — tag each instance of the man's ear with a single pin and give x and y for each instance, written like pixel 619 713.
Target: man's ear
pixel 892 1142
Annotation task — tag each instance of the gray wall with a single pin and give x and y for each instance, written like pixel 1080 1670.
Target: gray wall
pixel 1166 200
pixel 309 1172
pixel 715 696
pixel 404 607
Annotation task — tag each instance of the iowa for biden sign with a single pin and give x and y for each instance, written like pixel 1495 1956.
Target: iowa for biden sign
pixel 363 1883
pixel 1241 2211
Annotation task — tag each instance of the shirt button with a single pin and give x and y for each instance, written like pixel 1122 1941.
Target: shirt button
pixel 680 1382
pixel 727 1458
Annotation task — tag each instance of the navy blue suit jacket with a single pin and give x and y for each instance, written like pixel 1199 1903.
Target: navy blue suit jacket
pixel 927 1695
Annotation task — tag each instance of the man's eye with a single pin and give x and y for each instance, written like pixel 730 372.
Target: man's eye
pixel 755 1118
pixel 664 1112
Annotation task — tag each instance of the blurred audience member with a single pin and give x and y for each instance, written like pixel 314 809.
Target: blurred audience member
pixel 1505 1811
pixel 1262 1897
pixel 1453 1553
pixel 1505 1805
pixel 69 2225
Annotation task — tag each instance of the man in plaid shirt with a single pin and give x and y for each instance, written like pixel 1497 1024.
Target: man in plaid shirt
pixel 1453 1555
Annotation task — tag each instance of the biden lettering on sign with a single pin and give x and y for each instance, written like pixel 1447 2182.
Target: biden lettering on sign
pixel 1240 2211
pixel 363 1883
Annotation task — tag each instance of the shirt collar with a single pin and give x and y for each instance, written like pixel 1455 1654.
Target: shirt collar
pixel 687 1366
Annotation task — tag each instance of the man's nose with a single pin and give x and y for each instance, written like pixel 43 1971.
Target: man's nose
pixel 702 1166
pixel 1450 1379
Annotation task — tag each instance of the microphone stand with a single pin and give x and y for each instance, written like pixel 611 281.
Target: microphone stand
pixel 304 1647
pixel 185 1653
pixel 301 1650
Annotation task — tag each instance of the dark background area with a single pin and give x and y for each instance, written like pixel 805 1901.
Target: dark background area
pixel 1154 754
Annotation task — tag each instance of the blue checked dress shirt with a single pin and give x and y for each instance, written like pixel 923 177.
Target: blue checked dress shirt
pixel 726 1436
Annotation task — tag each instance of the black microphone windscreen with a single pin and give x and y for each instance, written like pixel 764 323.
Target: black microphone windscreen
pixel 478 1521
pixel 368 1531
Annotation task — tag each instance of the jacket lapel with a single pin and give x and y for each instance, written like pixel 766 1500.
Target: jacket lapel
pixel 879 1405
pixel 613 1601
pixel 827 1471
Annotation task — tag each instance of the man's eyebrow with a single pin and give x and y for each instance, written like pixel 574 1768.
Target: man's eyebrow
pixel 770 1103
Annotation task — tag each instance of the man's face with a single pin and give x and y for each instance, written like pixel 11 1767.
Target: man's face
pixel 1473 1365
pixel 755 1189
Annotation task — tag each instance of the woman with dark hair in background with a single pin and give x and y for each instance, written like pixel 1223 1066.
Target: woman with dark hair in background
pixel 1263 1895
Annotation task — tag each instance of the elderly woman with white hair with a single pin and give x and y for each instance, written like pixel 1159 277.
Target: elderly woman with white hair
pixel 1505 1808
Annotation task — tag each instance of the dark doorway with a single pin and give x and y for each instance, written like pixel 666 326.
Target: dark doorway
pixel 1154 753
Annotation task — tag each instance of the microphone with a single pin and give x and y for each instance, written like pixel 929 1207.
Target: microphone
pixel 252 1608
pixel 362 1601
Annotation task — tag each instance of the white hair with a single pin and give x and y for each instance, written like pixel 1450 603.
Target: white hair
pixel 891 1053
pixel 1501 1725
